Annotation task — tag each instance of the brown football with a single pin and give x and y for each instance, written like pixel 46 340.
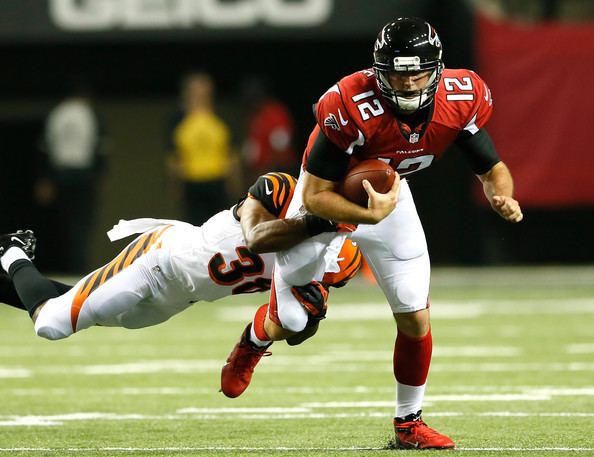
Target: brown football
pixel 379 174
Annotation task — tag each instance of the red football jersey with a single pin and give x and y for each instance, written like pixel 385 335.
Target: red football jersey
pixel 356 118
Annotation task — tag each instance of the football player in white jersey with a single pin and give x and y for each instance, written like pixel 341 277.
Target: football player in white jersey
pixel 170 266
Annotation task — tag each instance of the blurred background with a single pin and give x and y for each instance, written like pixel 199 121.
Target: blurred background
pixel 99 100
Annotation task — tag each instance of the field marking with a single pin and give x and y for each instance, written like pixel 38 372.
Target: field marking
pixel 331 362
pixel 587 391
pixel 156 366
pixel 251 414
pixel 434 399
pixel 14 372
pixel 515 367
pixel 531 449
pixel 476 351
pixel 269 410
pixel 442 309
pixel 165 390
pixel 340 354
pixel 584 348
pixel 280 449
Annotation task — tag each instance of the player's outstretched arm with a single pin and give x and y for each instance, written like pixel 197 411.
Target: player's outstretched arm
pixel 498 186
pixel 321 199
pixel 264 232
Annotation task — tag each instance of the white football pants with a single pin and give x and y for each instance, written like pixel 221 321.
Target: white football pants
pixel 395 249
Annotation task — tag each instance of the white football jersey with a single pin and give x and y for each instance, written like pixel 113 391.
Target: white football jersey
pixel 169 266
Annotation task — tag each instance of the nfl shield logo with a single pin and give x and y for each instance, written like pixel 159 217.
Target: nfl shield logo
pixel 413 138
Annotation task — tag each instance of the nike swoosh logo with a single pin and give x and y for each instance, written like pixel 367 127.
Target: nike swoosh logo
pixel 342 121
pixel 18 240
pixel 268 191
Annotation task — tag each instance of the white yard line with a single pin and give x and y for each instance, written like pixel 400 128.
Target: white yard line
pixel 439 309
pixel 584 348
pixel 515 367
pixel 278 449
pixel 439 392
pixel 14 372
pixel 304 411
pixel 434 399
pixel 337 354
pixel 330 363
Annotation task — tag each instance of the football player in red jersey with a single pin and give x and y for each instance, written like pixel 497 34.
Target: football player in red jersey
pixel 405 111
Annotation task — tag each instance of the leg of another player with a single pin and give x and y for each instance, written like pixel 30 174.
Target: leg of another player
pixel 32 287
pixel 10 296
pixel 293 314
pixel 237 372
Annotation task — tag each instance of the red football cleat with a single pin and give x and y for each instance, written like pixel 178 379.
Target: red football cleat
pixel 413 433
pixel 237 372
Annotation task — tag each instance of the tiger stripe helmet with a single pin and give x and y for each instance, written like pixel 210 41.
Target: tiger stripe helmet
pixel 350 260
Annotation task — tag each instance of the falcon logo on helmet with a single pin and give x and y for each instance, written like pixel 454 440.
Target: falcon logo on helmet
pixel 433 37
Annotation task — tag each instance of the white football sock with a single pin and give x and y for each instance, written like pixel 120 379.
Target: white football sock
pixel 409 399
pixel 11 255
pixel 254 339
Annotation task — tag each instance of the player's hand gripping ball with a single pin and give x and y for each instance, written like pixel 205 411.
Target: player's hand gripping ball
pixel 379 174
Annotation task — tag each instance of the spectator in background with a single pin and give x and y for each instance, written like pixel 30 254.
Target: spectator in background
pixel 270 130
pixel 73 168
pixel 201 156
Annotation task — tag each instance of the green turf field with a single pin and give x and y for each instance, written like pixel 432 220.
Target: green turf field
pixel 512 375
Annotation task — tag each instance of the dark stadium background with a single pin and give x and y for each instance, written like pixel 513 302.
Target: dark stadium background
pixel 136 81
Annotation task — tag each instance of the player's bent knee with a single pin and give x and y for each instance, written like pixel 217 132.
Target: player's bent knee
pixel 411 298
pixel 53 322
pixel 51 333
pixel 294 320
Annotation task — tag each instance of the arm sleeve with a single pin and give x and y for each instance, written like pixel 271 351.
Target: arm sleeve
pixel 478 149
pixel 326 160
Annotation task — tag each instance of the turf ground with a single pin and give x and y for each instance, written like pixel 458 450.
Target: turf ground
pixel 512 375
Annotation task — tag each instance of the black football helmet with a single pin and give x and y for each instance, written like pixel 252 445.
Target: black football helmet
pixel 407 45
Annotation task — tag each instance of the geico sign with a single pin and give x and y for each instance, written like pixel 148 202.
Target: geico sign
pixel 93 15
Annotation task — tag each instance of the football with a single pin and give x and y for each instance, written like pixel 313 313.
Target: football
pixel 379 174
